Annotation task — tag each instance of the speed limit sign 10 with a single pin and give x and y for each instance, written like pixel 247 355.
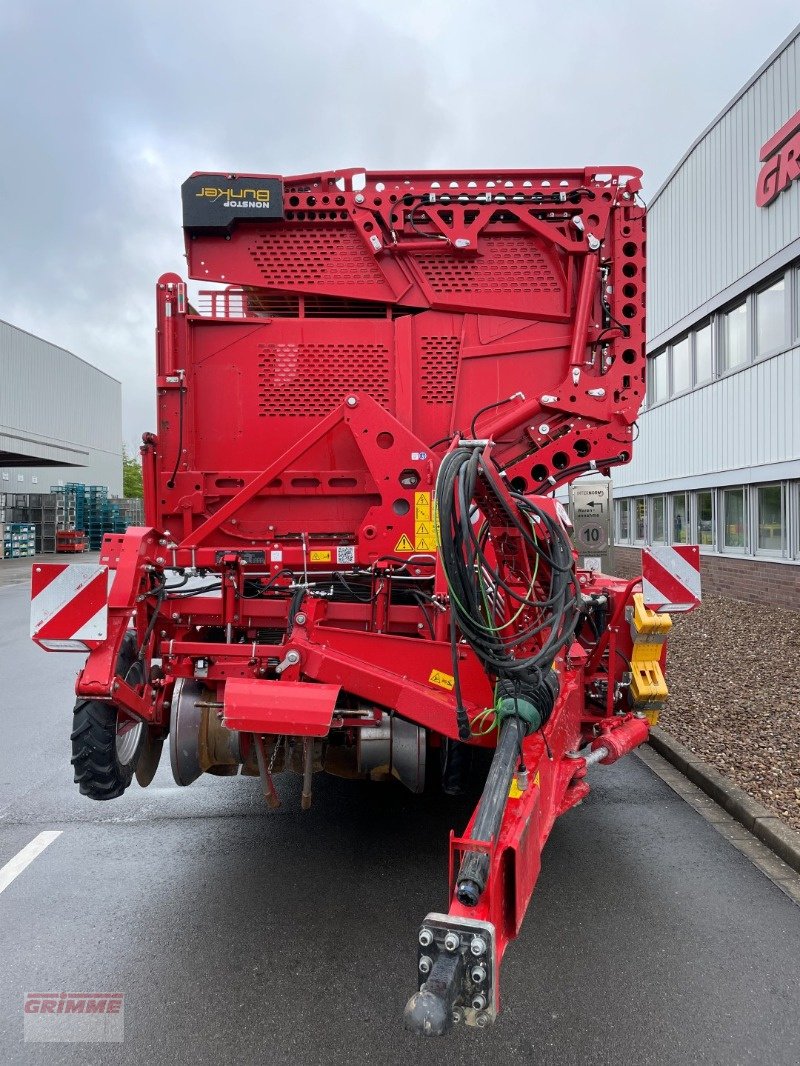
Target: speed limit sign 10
pixel 591 536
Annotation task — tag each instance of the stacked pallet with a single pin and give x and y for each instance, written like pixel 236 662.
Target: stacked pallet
pixel 69 541
pixel 19 540
pixel 132 511
pixel 95 513
pixel 73 507
pixel 41 511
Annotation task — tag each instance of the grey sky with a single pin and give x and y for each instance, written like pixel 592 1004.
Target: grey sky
pixel 108 106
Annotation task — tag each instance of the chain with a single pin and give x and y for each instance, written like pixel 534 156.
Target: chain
pixel 274 755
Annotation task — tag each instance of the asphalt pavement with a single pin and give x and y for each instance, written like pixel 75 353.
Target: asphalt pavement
pixel 238 934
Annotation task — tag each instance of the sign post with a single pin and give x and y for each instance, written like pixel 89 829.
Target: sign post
pixel 590 511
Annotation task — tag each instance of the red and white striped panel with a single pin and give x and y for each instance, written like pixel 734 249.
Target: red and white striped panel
pixel 69 605
pixel 671 577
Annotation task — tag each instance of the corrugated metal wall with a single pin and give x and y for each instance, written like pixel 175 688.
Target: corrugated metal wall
pixel 705 236
pixel 746 420
pixel 62 404
pixel 704 229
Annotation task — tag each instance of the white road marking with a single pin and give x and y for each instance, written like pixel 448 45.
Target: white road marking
pixel 14 867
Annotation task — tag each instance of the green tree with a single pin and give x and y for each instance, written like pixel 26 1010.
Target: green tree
pixel 131 475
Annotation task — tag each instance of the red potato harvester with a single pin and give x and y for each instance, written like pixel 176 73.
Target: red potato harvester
pixel 354 562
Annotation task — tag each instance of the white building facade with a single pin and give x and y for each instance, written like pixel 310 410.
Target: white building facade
pixel 60 418
pixel 717 461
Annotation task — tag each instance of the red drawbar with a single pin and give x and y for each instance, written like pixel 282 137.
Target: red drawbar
pixel 294 708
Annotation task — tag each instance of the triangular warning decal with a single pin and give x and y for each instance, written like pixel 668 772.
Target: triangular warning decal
pixel 404 545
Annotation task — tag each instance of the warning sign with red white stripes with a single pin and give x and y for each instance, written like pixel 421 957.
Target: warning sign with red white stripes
pixel 69 605
pixel 671 577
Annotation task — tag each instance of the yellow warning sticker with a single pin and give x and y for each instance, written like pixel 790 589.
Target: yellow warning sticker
pixel 424 539
pixel 320 557
pixel 404 545
pixel 438 677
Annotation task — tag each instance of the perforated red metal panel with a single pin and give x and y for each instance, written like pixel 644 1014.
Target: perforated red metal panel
pixel 433 296
pixel 309 379
pixel 309 255
pixel 438 369
pixel 505 265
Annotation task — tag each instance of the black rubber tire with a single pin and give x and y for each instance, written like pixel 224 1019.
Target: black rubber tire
pixel 98 772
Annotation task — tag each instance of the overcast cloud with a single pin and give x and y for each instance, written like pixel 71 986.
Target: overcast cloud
pixel 108 106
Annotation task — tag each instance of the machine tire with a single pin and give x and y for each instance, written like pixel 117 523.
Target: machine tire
pixel 101 773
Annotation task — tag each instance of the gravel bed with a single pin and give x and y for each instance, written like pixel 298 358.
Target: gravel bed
pixel 732 671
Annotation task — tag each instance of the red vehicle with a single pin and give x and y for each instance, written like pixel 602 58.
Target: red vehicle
pixel 353 560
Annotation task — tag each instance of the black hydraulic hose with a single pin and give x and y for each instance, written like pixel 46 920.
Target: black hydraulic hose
pixel 474 871
pixel 181 394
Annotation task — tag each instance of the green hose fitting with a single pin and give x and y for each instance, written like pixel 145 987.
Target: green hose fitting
pixel 520 708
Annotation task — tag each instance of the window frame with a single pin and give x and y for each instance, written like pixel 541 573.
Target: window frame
pixel 723 368
pixel 757 355
pixel 712 547
pixel 652 521
pixel 730 549
pixel 755 510
pixel 697 383
pixel 673 391
pixel 688 513
pixel 623 504
pixel 635 539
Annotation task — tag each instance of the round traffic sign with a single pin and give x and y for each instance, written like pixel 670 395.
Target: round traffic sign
pixel 591 536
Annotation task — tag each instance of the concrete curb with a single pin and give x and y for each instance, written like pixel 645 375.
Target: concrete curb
pixel 759 821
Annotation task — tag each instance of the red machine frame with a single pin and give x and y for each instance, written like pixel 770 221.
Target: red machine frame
pixel 369 325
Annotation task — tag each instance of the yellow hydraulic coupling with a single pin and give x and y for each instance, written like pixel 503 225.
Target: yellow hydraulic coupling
pixel 649 630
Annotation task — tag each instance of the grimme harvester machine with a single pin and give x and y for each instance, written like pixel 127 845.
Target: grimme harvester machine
pixel 354 561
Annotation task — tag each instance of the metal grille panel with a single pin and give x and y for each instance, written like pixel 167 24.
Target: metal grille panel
pixel 439 366
pixel 318 255
pixel 506 265
pixel 311 379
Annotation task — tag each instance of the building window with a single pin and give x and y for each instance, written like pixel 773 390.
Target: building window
pixel 623 521
pixel 771 318
pixel 659 521
pixel 734 519
pixel 657 378
pixel 681 366
pixel 680 519
pixel 735 337
pixel 705 519
pixel 770 518
pixel 640 519
pixel 703 355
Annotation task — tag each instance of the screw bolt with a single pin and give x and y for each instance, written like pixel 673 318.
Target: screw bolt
pixel 300 619
pixel 478 946
pixel 478 974
pixel 482 1021
pixel 425 937
pixel 351 401
pixel 479 1001
pixel 452 942
pixel 425 964
pixel 458 1015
